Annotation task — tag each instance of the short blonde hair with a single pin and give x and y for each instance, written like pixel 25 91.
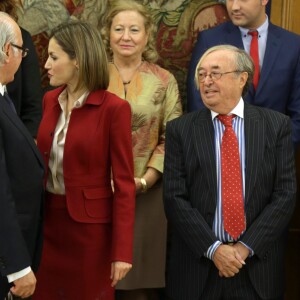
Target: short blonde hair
pixel 243 63
pixel 82 41
pixel 150 53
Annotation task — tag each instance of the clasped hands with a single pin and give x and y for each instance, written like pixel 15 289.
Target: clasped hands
pixel 229 259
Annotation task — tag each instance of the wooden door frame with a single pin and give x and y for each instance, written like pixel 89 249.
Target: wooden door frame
pixel 285 13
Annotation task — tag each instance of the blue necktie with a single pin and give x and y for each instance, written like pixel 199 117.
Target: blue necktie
pixel 9 101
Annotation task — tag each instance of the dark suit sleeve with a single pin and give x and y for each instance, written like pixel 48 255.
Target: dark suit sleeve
pixel 194 101
pixel 184 218
pixel 276 212
pixel 293 105
pixel 26 90
pixel 31 88
pixel 14 255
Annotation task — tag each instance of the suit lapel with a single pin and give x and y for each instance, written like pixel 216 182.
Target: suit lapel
pixel 233 36
pixel 52 114
pixel 271 56
pixel 13 117
pixel 48 125
pixel 254 145
pixel 203 138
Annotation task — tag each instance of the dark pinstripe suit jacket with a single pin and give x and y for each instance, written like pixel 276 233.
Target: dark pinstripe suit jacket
pixel 190 195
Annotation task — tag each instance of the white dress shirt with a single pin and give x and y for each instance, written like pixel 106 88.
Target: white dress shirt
pixel 55 180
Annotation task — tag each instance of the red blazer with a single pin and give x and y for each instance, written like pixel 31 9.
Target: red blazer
pixel 98 144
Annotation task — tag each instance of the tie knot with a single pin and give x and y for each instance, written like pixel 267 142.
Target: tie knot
pixel 253 33
pixel 226 120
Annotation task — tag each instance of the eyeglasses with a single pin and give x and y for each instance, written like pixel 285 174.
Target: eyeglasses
pixel 24 50
pixel 214 75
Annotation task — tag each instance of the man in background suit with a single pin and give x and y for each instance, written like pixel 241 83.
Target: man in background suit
pixel 21 173
pixel 279 59
pixel 26 89
pixel 206 261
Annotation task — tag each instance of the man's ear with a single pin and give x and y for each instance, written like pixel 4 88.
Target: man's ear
pixel 6 50
pixel 243 79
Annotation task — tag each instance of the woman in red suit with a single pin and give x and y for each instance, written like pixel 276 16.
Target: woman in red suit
pixel 85 139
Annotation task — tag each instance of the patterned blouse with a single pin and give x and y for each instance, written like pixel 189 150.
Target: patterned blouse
pixel 154 98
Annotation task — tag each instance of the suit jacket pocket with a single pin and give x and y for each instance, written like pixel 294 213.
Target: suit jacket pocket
pixel 98 203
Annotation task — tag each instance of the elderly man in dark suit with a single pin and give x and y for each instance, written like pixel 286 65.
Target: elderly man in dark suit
pixel 21 173
pixel 229 188
pixel 279 59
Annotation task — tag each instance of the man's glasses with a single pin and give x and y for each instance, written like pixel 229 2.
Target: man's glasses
pixel 24 50
pixel 213 75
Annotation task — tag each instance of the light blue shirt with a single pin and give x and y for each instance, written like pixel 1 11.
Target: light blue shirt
pixel 262 40
pixel 238 127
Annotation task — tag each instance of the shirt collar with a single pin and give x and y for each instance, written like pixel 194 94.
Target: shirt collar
pixel 2 89
pixel 263 29
pixel 238 110
pixel 62 99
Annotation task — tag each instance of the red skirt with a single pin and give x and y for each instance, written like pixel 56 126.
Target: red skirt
pixel 76 260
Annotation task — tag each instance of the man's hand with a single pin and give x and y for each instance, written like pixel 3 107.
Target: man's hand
pixel 119 270
pixel 228 260
pixel 242 250
pixel 24 287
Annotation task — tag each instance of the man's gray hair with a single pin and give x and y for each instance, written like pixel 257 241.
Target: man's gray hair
pixel 243 62
pixel 7 35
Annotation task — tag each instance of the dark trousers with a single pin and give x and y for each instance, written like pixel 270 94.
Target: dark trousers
pixel 238 287
pixel 4 292
pixel 4 288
